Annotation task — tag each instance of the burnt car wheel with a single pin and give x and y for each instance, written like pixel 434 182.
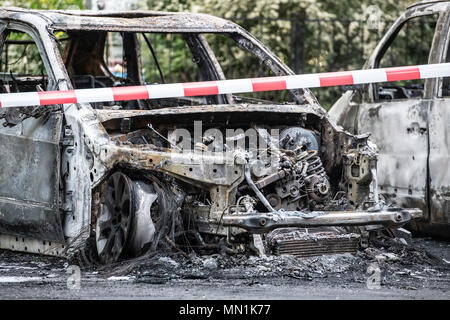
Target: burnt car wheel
pixel 114 218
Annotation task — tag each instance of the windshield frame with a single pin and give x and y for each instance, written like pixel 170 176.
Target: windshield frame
pixel 241 37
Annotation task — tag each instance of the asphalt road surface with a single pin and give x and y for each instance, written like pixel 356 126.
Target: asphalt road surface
pixel 420 271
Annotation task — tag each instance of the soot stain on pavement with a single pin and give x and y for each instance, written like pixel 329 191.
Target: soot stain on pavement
pixel 424 264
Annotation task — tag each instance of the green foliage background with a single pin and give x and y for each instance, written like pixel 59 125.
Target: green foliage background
pixel 43 4
pixel 308 35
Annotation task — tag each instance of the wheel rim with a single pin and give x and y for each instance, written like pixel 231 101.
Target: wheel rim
pixel 114 219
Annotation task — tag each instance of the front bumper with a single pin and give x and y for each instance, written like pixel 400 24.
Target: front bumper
pixel 263 222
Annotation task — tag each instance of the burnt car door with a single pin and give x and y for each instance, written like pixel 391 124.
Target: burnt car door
pixel 29 141
pixel 396 113
pixel 439 135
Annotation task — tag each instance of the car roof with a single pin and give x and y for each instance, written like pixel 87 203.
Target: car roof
pixel 151 21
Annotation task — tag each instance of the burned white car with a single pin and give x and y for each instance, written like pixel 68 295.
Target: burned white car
pixel 410 120
pixel 219 172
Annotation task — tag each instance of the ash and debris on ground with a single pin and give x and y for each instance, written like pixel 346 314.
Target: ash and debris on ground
pixel 423 266
pixel 403 266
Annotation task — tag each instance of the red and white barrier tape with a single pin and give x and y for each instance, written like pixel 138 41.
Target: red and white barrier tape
pixel 176 90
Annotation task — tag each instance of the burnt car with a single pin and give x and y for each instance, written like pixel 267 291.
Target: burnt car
pixel 219 172
pixel 409 121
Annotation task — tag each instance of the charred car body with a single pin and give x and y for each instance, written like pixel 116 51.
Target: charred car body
pixel 211 172
pixel 409 121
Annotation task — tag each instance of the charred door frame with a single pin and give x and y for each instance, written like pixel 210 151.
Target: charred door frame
pixel 418 109
pixel 439 144
pixel 32 213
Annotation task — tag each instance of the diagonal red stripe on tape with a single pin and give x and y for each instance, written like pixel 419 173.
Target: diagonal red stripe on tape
pixel 335 79
pixel 56 97
pixel 268 84
pixel 200 88
pixel 130 93
pixel 402 73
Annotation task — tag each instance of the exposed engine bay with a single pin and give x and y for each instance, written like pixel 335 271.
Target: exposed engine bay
pixel 226 182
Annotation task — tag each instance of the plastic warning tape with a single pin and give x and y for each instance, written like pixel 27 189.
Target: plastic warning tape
pixel 177 90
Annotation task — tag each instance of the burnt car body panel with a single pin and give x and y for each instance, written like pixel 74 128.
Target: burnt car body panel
pixel 411 133
pixel 29 171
